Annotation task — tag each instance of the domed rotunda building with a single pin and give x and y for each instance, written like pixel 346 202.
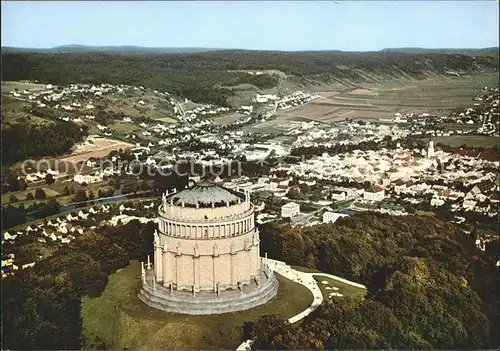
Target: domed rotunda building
pixel 206 254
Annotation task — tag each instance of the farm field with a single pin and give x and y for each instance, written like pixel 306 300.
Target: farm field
pixel 124 128
pixel 167 119
pixel 8 86
pixel 14 110
pixel 100 148
pixel 269 127
pixel 433 95
pixel 121 320
pixel 469 140
pixel 228 119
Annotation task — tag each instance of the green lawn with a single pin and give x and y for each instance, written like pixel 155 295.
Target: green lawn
pixel 344 289
pixel 228 119
pixel 125 128
pixel 120 319
pixel 21 195
pixel 305 269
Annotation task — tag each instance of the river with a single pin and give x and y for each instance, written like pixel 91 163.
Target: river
pixel 42 213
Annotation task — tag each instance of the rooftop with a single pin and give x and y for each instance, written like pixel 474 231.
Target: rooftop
pixel 206 193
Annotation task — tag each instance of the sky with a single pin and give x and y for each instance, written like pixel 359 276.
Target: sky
pixel 348 25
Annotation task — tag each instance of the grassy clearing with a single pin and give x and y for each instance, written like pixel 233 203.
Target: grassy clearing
pixel 165 119
pixel 124 128
pixel 120 319
pixel 55 191
pixel 21 195
pixel 228 119
pixel 469 140
pixel 344 289
pixel 305 269
pixel 7 86
pixel 425 213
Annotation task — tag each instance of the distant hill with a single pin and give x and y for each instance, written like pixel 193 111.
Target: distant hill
pixel 209 75
pixel 130 49
pixel 493 51
pixel 127 49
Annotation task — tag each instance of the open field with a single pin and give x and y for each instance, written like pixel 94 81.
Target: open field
pixel 100 148
pixel 15 110
pixel 120 319
pixel 269 127
pixel 433 95
pixel 228 119
pixel 125 128
pixel 8 86
pixel 343 288
pixel 167 119
pixel 21 195
pixel 469 140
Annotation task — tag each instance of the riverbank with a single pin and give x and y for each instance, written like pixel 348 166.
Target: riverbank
pixel 73 208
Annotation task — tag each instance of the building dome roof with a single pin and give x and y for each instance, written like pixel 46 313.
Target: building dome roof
pixel 205 193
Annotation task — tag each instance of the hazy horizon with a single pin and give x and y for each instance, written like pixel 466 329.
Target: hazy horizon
pixel 247 25
pixel 221 48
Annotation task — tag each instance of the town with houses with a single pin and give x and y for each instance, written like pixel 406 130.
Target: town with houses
pixel 354 165
pixel 250 176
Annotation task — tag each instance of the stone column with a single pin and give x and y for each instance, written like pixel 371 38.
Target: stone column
pixel 231 269
pixel 196 268
pixel 259 260
pixel 251 264
pixel 177 258
pixel 214 266
pixel 231 262
pixel 166 277
pixel 158 266
pixel 143 273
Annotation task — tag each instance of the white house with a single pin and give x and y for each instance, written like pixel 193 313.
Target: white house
pixel 80 179
pixel 469 204
pixel 436 201
pixel 338 195
pixel 264 98
pixel 375 193
pixel 290 210
pixel 91 163
pixel 331 217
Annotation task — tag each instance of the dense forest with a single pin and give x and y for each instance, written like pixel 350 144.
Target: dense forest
pixel 428 286
pixel 24 141
pixel 203 76
pixel 41 307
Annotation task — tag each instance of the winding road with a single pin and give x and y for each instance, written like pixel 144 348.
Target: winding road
pixel 305 279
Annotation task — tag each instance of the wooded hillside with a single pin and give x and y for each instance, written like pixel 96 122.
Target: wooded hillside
pixel 428 285
pixel 201 76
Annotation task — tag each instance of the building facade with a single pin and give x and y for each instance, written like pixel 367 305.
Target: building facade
pixel 375 193
pixel 206 245
pixel 331 217
pixel 338 195
pixel 290 210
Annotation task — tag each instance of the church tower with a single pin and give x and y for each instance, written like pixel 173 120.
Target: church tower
pixel 430 149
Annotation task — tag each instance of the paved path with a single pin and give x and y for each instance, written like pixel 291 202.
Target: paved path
pixel 307 280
